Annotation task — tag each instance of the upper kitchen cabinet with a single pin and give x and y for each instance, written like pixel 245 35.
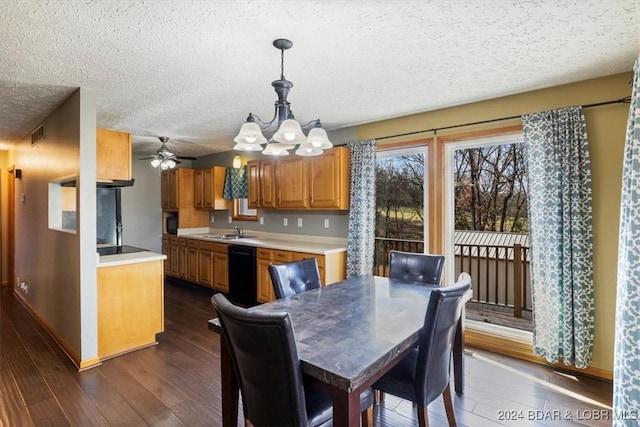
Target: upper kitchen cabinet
pixel 291 183
pixel 261 176
pixel 177 196
pixel 113 155
pixel 319 182
pixel 207 188
pixel 329 180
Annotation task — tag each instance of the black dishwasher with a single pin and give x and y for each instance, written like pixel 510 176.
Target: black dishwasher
pixel 242 275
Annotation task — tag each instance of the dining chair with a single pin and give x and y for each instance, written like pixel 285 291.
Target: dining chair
pixel 423 374
pixel 294 277
pixel 415 267
pixel 264 355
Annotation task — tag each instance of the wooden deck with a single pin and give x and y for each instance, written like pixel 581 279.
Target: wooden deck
pixel 497 318
pixel 177 382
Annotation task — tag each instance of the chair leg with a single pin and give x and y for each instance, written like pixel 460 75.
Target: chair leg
pixel 367 417
pixel 448 406
pixel 423 417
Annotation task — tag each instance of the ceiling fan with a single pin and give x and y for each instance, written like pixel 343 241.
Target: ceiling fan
pixel 164 158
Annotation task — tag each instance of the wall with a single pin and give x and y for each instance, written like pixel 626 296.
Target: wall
pixel 59 268
pixel 606 127
pixel 4 167
pixel 142 209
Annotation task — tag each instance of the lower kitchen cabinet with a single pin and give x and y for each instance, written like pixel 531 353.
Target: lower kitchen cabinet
pixel 265 288
pixel 192 261
pixel 205 263
pixel 221 267
pixel 130 307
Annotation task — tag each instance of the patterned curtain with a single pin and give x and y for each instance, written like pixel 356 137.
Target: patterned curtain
pixel 626 380
pixel 559 174
pixel 362 209
pixel 235 184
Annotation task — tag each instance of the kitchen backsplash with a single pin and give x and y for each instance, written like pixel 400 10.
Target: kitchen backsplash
pixel 313 222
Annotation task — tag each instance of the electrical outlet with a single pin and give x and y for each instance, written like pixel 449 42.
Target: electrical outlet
pixel 230 219
pixel 213 219
pixel 261 220
pixel 285 222
pixel 326 223
pixel 299 222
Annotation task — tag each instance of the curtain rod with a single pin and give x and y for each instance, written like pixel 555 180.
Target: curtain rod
pixel 625 100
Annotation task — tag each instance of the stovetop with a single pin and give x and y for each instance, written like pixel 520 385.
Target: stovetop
pixel 114 250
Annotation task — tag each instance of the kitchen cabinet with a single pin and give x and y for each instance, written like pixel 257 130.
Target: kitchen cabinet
pixel 220 267
pixel 206 262
pixel 192 261
pixel 318 182
pixel 329 180
pixel 182 258
pixel 265 287
pixel 261 182
pixel 172 256
pixel 177 199
pixel 130 303
pixel 165 251
pixel 332 268
pixel 207 188
pixel 113 155
pixel 291 183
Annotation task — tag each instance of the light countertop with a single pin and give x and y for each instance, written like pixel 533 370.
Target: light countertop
pixel 288 242
pixel 129 258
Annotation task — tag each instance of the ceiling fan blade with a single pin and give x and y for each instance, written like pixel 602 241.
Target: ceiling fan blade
pixel 147 158
pixel 185 158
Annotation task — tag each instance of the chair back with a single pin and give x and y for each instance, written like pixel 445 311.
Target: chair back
pixel 415 267
pixel 294 277
pixel 266 363
pixel 436 340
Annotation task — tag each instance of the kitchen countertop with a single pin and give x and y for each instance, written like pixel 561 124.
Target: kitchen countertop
pixel 129 258
pixel 288 242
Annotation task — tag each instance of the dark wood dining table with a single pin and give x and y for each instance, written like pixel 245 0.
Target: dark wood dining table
pixel 348 334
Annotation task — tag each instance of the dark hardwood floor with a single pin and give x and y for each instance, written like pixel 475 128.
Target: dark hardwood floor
pixel 177 382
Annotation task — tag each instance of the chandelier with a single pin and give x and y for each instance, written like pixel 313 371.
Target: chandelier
pixel 289 132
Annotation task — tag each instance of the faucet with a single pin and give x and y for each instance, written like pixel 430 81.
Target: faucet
pixel 239 231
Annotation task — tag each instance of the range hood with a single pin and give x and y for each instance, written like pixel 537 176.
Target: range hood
pixel 102 184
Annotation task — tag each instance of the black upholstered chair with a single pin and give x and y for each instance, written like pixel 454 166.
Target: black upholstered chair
pixel 274 390
pixel 415 267
pixel 294 277
pixel 423 374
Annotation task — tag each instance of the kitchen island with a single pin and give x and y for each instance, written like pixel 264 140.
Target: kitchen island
pixel 130 301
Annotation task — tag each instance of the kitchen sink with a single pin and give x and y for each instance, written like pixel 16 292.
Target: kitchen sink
pixel 227 236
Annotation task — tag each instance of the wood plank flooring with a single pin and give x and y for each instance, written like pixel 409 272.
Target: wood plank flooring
pixel 177 382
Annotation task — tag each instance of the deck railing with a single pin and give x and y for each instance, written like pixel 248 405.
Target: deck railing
pixel 500 274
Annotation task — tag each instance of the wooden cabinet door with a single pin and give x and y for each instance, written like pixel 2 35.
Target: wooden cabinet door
pixel 205 265
pixel 182 258
pixel 113 155
pixel 221 268
pixel 253 184
pixel 265 287
pixel 170 189
pixel 192 261
pixel 292 185
pixel 166 186
pixel 328 180
pixel 173 260
pixel 198 188
pixel 268 184
pixel 165 251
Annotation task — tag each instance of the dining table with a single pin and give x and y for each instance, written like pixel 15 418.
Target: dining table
pixel 348 334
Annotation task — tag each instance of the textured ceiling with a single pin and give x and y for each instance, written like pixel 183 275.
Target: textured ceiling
pixel 192 71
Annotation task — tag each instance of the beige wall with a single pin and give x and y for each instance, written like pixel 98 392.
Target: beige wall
pixel 55 265
pixel 606 131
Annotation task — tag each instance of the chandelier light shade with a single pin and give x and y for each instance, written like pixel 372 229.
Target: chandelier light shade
pixel 289 132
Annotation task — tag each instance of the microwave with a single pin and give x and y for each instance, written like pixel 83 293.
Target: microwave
pixel 172 224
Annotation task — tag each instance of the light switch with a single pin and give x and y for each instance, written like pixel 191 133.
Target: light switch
pixel 285 222
pixel 299 222
pixel 261 220
pixel 230 219
pixel 326 223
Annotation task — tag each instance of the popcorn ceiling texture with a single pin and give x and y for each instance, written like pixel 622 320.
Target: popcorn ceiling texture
pixel 192 71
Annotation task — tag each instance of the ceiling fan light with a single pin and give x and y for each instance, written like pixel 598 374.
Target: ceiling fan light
pixel 164 165
pixel 155 162
pixel 250 133
pixel 319 139
pixel 290 132
pixel 171 163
